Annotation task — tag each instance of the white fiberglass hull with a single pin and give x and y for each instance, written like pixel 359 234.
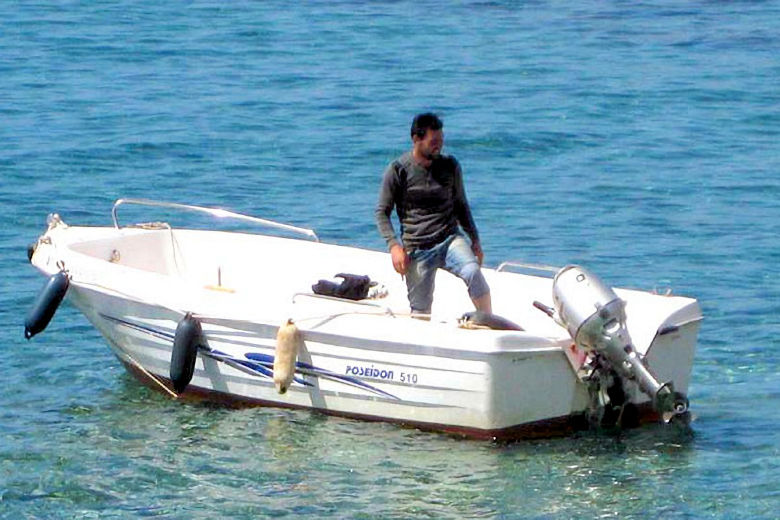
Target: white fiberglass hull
pixel 364 359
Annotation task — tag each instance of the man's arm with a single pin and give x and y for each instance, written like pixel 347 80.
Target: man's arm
pixel 384 209
pixel 462 208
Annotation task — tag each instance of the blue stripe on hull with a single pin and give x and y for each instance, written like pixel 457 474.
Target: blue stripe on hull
pixel 260 365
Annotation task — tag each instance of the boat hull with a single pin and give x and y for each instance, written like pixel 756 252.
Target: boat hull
pixel 367 360
pixel 497 395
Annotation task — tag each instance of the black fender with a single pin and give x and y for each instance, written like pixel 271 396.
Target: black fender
pixel 46 304
pixel 188 338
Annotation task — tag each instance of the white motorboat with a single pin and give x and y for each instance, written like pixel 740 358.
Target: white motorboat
pixel 203 315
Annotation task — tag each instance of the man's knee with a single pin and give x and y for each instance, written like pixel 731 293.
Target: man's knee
pixel 475 280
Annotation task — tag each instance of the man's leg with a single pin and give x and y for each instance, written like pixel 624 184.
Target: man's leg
pixel 460 261
pixel 420 279
pixel 484 303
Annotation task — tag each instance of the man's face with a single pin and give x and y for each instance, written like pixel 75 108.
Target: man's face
pixel 430 144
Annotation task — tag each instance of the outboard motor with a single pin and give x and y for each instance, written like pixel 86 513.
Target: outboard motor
pixel 596 319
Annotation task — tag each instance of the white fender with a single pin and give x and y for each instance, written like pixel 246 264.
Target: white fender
pixel 289 341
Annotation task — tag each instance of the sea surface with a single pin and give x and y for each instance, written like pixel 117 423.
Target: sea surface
pixel 640 139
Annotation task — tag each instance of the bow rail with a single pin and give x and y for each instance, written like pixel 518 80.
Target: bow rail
pixel 215 212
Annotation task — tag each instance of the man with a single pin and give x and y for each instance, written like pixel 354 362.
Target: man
pixel 426 190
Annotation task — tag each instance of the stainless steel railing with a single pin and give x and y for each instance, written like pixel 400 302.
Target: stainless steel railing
pixel 533 267
pixel 215 212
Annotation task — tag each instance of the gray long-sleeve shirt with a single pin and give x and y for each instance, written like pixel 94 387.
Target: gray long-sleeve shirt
pixel 433 203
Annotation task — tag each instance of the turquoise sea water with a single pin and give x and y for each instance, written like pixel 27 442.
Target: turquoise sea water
pixel 639 139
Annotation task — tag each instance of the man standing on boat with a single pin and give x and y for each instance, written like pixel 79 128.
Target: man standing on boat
pixel 437 230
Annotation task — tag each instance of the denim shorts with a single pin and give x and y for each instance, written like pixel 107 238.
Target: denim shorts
pixel 453 254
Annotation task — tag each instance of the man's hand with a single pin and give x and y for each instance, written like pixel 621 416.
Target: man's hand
pixel 400 259
pixel 477 248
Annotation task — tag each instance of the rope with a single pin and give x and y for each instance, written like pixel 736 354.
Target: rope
pixel 150 375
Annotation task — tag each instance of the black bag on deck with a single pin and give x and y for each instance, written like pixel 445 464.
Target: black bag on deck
pixel 352 287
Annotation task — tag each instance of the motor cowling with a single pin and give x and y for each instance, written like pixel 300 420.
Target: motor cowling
pixel 596 319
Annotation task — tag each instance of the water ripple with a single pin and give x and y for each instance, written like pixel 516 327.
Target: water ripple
pixel 639 140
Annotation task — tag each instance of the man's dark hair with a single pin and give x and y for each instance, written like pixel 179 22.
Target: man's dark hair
pixel 423 122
